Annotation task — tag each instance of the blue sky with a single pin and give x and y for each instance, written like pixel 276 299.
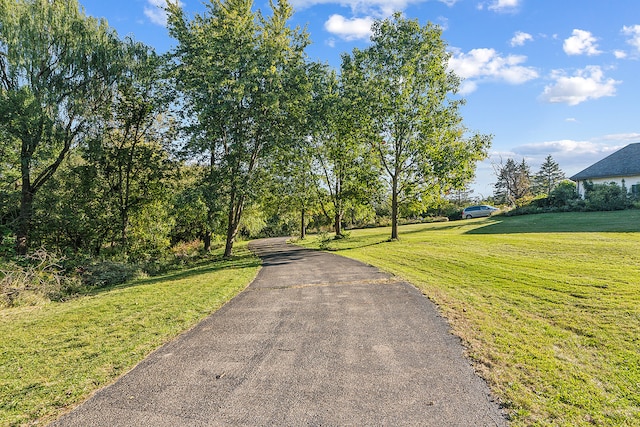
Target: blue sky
pixel 557 77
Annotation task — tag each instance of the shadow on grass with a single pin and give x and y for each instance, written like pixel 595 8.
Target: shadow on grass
pixel 211 265
pixel 570 222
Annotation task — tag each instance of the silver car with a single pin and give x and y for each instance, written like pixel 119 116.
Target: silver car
pixel 478 211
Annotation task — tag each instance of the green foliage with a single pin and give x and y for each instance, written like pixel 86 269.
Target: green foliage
pixel 606 197
pixel 190 209
pixel 243 79
pixel 513 182
pixel 548 177
pixel 7 239
pixel 563 194
pixel 56 72
pixel 414 125
pixel 149 231
pixel 347 169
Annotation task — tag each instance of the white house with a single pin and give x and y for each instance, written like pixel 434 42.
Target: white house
pixel 621 167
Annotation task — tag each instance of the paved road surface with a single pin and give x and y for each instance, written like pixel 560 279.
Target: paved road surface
pixel 315 340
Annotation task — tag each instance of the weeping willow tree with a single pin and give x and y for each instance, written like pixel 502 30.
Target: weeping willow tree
pixel 57 68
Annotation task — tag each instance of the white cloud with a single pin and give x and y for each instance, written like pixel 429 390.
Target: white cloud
pixel 349 29
pixel 443 23
pixel 581 43
pixel 520 38
pixel 571 120
pixel 467 87
pixel 487 64
pixel 504 5
pixel 622 137
pixel 377 8
pixel 154 10
pixel 620 54
pixel 585 84
pixel 565 147
pixel 634 33
pixel 572 156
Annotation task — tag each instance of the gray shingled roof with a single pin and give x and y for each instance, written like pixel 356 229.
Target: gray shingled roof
pixel 624 162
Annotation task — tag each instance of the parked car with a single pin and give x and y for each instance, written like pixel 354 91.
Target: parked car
pixel 478 211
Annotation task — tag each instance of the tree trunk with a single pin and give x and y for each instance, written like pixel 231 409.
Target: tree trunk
pixel 337 226
pixel 235 213
pixel 24 220
pixel 303 231
pixel 124 225
pixel 394 208
pixel 207 240
pixel 232 231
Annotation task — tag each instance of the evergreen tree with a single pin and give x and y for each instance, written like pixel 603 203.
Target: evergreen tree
pixel 548 177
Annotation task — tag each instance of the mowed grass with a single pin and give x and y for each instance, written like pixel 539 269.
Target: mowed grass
pixel 54 356
pixel 548 306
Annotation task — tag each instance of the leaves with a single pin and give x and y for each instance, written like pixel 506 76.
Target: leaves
pixel 243 77
pixel 414 124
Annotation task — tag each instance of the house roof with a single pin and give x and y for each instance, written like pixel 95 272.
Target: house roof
pixel 624 162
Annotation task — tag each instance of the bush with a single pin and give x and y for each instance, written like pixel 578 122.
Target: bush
pixel 606 197
pixel 7 242
pixel 565 194
pixel 108 273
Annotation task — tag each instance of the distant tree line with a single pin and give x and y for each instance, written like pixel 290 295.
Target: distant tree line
pixel 110 151
pixel 549 191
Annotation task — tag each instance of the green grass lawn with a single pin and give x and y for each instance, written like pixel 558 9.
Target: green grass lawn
pixel 53 356
pixel 548 306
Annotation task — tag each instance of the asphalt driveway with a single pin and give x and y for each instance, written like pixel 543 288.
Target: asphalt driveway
pixel 315 340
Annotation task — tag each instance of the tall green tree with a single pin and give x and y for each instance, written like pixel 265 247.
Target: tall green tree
pixel 57 68
pixel 129 144
pixel 242 76
pixel 348 171
pixel 416 128
pixel 548 177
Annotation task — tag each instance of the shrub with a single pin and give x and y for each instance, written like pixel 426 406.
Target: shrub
pixel 324 238
pixel 7 242
pixel 108 273
pixel 606 197
pixel 187 250
pixel 564 194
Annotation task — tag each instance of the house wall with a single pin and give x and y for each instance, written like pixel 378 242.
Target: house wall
pixel 628 182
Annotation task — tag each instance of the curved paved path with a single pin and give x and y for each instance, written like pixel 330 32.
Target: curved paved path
pixel 315 340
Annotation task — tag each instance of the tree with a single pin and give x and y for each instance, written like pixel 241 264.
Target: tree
pixel 514 181
pixel 347 169
pixel 548 177
pixel 128 145
pixel 243 76
pixel 56 70
pixel 415 126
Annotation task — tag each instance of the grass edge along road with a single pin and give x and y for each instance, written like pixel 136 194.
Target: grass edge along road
pixel 54 356
pixel 547 305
